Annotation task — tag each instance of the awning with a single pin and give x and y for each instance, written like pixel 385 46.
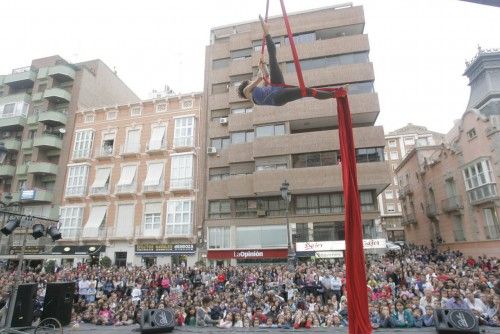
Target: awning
pixel 127 176
pixel 156 137
pixel 133 140
pixel 155 172
pixel 125 222
pixel 91 229
pixel 101 177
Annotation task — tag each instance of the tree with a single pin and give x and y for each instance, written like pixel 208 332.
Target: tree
pixel 106 262
pixel 50 266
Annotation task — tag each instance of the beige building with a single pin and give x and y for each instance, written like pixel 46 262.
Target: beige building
pixel 131 188
pixel 252 150
pixel 37 107
pixel 449 192
pixel 397 145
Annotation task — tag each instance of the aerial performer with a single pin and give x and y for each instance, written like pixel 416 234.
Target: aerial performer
pixel 277 93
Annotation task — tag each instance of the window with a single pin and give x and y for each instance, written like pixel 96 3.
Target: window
pixel 245 207
pixel 157 140
pixel 154 177
pixel 315 159
pixel 111 115
pixel 242 137
pixel 367 200
pixel 389 194
pixel 221 173
pixel 179 218
pixel 301 232
pixel 471 134
pixel 242 168
pixel 323 203
pixel 124 226
pixel 491 224
pixel 133 141
pixel 184 132
pixel 241 54
pixel 324 62
pixel 161 107
pixel 270 130
pixel 236 80
pixel 393 143
pixel 219 237
pixel 391 208
pixel 14 109
pixel 422 141
pixel 88 118
pixel 181 173
pixel 83 144
pixel 267 236
pixel 108 142
pixel 372 154
pixel 70 220
pixel 135 111
pixel 257 45
pixel 394 155
pixel 324 231
pixel 101 182
pixel 409 141
pixel 187 104
pixel 395 180
pixel 273 206
pixel 220 63
pixel 242 110
pixel 220 143
pixel 76 182
pixel 220 88
pixel 479 181
pixel 458 229
pixel 216 115
pixel 272 166
pixel 126 183
pixel 219 209
pixel 307 37
pixel 152 219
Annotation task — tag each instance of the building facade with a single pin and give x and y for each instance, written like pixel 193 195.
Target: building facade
pixel 252 150
pixel 37 107
pixel 131 187
pixel 397 144
pixel 450 192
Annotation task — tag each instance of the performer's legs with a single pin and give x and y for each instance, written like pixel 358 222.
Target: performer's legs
pixel 274 68
pixel 285 95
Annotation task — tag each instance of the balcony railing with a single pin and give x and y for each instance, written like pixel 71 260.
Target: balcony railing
pixel 94 232
pixel 156 146
pixel 71 233
pixel 183 142
pixel 121 233
pixel 153 188
pixel 81 154
pixel 148 233
pixel 96 191
pixel 104 152
pixel 181 184
pixel 431 210
pixel 126 188
pixel 404 191
pixel 483 194
pixel 453 203
pixel 492 232
pixel 130 149
pixel 408 219
pixel 75 191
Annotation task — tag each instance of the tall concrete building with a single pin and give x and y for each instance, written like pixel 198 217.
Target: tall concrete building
pixel 449 192
pixel 397 144
pixel 252 150
pixel 132 184
pixel 37 108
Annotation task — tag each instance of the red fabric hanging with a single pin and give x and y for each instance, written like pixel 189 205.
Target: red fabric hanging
pixel 357 297
pixel 266 77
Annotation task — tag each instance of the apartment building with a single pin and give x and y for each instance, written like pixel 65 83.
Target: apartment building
pixel 449 192
pixel 252 150
pixel 131 187
pixel 37 106
pixel 397 145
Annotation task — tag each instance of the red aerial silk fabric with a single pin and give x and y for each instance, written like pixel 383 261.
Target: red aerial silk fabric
pixel 357 296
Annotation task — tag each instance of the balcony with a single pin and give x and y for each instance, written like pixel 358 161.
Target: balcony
pixel 149 234
pixel 42 168
pixel 452 204
pixel 126 189
pixel 7 171
pixel 32 120
pixel 22 169
pixel 57 95
pixel 75 192
pixel 53 117
pixel 12 144
pixel 486 193
pixel 404 191
pixel 117 233
pixel 431 210
pixel 106 152
pixel 27 144
pixel 492 232
pixel 48 141
pixel 21 78
pixel 182 144
pixel 408 219
pixel 130 150
pixel 40 195
pixel 150 189
pixel 180 185
pixel 159 147
pixel 94 233
pixel 62 72
pixel 99 191
pixel 13 121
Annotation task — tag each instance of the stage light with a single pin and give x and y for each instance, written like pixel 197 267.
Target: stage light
pixel 54 233
pixel 10 226
pixel 38 231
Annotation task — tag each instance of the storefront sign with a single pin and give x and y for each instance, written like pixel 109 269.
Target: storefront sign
pixel 59 250
pixel 30 250
pixel 330 255
pixel 247 254
pixel 165 249
pixel 90 249
pixel 319 246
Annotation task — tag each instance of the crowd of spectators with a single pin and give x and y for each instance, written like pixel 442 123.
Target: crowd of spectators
pixel 403 289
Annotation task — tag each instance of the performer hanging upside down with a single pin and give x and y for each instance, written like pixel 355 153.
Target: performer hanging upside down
pixel 272 95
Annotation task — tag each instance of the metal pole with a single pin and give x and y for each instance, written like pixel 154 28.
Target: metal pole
pixel 291 253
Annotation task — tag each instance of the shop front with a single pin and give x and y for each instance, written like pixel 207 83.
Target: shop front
pixel 335 249
pixel 73 255
pixel 166 254
pixel 246 256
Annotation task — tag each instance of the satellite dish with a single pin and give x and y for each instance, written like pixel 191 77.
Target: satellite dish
pixel 62 130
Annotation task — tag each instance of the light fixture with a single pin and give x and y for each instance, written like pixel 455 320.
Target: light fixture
pixel 10 226
pixel 54 233
pixel 3 153
pixel 38 231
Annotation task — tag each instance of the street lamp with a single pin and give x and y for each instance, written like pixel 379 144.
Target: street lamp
pixel 285 194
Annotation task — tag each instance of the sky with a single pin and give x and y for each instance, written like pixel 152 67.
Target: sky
pixel 418 47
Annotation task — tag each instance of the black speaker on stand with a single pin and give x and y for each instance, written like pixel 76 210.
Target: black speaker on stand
pixel 58 302
pixel 24 305
pixel 157 320
pixel 455 321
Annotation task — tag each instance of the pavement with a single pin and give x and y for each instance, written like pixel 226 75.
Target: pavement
pixel 84 328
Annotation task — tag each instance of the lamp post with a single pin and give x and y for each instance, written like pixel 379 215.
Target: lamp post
pixel 285 194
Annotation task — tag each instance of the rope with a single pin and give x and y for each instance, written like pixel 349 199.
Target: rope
pixel 266 77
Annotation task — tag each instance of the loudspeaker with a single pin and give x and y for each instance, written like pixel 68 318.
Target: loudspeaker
pixel 24 305
pixel 157 320
pixel 455 321
pixel 58 302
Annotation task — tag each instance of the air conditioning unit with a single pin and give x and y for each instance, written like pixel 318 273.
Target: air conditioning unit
pixel 223 120
pixel 261 213
pixel 211 150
